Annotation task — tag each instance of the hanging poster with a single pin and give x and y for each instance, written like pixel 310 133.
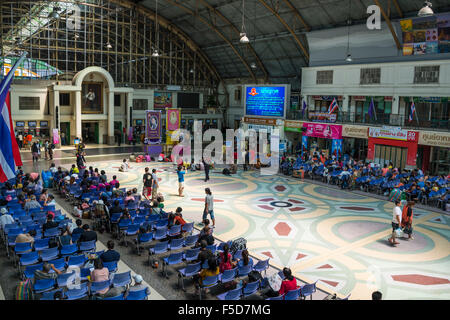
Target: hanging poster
pixel 55 136
pixel 173 119
pixel 304 143
pixel 336 148
pixel 153 127
pixel 162 100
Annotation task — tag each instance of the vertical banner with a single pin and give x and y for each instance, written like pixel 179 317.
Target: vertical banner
pixel 336 148
pixel 173 119
pixel 55 136
pixel 304 143
pixel 153 127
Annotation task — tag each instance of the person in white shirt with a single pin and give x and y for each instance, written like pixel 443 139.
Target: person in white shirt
pixel 396 221
pixel 5 218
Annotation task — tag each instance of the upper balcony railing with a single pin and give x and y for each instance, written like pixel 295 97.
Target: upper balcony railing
pixel 436 123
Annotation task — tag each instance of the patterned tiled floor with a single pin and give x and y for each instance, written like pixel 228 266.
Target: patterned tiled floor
pixel 336 238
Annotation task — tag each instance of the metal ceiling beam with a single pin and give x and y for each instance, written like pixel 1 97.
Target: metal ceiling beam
pixel 398 8
pixel 300 44
pixel 298 15
pixel 176 3
pixel 171 28
pixel 236 30
pixel 388 21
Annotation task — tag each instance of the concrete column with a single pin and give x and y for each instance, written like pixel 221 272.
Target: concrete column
pixel 56 122
pixel 395 118
pixel 345 103
pixel 128 104
pixel 77 114
pixel 111 118
pixel 352 110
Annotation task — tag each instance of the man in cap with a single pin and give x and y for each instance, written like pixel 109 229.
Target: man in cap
pixel 5 218
pixel 138 285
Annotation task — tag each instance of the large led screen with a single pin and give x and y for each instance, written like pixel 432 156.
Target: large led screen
pixel 265 101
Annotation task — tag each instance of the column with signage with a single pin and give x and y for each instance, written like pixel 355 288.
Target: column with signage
pixel 321 135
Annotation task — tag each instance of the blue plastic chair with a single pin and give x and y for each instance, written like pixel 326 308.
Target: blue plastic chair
pixel 59 264
pixel 21 248
pixel 112 266
pixel 234 294
pixel 244 270
pixel 122 279
pixel 208 282
pixel 143 238
pixel 190 241
pixel 228 275
pixel 75 237
pixel 191 254
pixel 160 233
pixel 189 271
pixel 308 290
pixel 159 248
pixel 63 279
pixel 53 232
pixel 176 244
pixel 76 261
pixel 50 295
pixel 292 294
pixel 188 227
pixel 261 266
pixel 28 273
pixel 162 223
pixel 97 286
pixel 28 259
pixel 43 285
pixel 281 297
pixel 69 250
pixel 174 231
pixel 75 294
pixel 237 255
pixel 174 258
pixel 49 254
pixel 212 247
pixel 119 297
pixel 87 246
pixel 132 230
pixel 250 288
pixel 137 295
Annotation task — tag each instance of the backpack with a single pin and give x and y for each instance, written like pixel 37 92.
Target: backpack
pixel 24 290
pixel 254 276
pixel 238 244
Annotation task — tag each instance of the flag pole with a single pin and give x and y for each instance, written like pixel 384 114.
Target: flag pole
pixel 11 72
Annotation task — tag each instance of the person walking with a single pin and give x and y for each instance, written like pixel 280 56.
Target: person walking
pixel 20 140
pixel 209 207
pixel 50 151
pixel 180 173
pixel 206 166
pixel 46 147
pixel 155 185
pixel 407 217
pixel 34 151
pixel 63 138
pixel 147 180
pixel 396 221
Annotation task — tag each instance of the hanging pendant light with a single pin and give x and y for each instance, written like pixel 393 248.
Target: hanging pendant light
pixel 155 50
pixel 54 14
pixel 426 10
pixel 108 45
pixel 349 22
pixel 243 34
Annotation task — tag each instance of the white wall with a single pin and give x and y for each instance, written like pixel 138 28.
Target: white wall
pixel 397 79
pixel 25 115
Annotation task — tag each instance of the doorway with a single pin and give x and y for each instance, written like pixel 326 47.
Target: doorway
pixel 65 128
pixel 90 132
pixel 386 154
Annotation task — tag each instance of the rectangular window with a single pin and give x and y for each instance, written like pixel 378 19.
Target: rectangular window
pixel 370 76
pixel 29 103
pixel 117 100
pixel 426 74
pixel 324 77
pixel 140 104
pixel 237 95
pixel 64 99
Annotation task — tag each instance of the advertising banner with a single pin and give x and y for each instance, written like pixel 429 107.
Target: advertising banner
pixel 321 130
pixel 55 136
pixel 304 143
pixel 162 100
pixel 322 117
pixel 153 127
pixel 394 134
pixel 265 101
pixel 336 148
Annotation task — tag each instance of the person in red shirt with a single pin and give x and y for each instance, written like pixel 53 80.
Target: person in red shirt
pixel 289 283
pixel 178 219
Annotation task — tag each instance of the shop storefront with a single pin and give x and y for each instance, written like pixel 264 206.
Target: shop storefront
pixel 293 133
pixel 355 141
pixel 393 144
pixel 38 129
pixel 434 152
pixel 267 124
pixel 321 137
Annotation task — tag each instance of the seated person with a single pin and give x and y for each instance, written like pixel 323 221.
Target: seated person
pixel 110 255
pixel 87 235
pixel 129 198
pixel 207 236
pixel 289 282
pixel 246 260
pixel 65 239
pixel 26 237
pixel 225 259
pixel 124 166
pixel 212 270
pixel 138 285
pixel 45 272
pixel 178 219
pixel 50 223
pixel 100 273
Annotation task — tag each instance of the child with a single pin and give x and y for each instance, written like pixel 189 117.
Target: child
pixel 124 166
pixel 147 157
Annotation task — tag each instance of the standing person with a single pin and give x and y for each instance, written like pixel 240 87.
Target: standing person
pixel 396 221
pixel 20 138
pixel 407 217
pixel 180 173
pixel 206 166
pixel 50 151
pixel 63 138
pixel 155 184
pixel 147 180
pixel 38 143
pixel 46 147
pixel 34 151
pixel 209 207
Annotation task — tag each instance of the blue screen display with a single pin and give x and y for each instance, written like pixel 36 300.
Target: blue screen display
pixel 265 101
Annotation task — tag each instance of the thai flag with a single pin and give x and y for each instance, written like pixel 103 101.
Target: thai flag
pixel 304 107
pixel 333 106
pixel 9 150
pixel 412 111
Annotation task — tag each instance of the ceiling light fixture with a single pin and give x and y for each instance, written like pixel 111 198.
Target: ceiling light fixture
pixel 426 10
pixel 349 22
pixel 243 34
pixel 155 51
pixel 54 14
pixel 253 65
pixel 108 45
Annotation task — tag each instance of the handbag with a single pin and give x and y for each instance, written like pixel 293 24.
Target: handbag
pixel 398 232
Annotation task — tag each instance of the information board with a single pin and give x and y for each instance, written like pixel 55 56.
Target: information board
pixel 265 101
